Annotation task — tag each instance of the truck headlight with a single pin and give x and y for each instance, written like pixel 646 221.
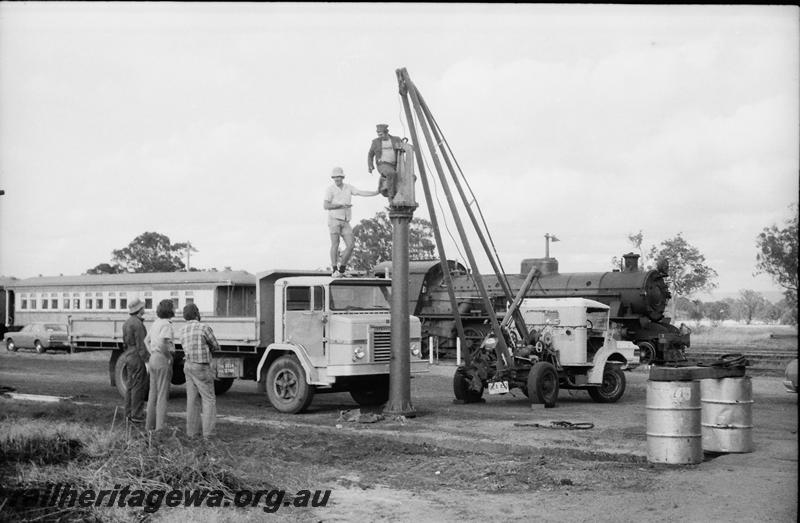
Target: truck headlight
pixel 415 349
pixel 358 353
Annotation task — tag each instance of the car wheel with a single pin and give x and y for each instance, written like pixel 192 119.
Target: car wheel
pixel 647 353
pixel 613 386
pixel 543 384
pixel 287 389
pixel 10 345
pixel 37 345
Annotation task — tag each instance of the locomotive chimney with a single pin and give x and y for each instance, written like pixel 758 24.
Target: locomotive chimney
pixel 545 265
pixel 631 262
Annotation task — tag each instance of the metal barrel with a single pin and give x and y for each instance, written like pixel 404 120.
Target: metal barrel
pixel 673 422
pixel 727 414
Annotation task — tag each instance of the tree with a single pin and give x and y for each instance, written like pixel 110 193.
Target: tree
pixel 105 268
pixel 373 241
pixel 717 311
pixel 777 255
pixel 686 266
pixel 751 303
pixel 148 252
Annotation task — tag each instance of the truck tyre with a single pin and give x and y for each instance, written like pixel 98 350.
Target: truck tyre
pixel 121 378
pixel 647 353
pixel 39 347
pixel 287 389
pixel 222 385
pixel 462 390
pixel 613 386
pixel 371 396
pixel 543 384
pixel 10 345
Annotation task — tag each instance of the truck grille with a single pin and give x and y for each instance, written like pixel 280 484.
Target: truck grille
pixel 381 344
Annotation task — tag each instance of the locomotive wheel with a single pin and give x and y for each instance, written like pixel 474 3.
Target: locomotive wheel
pixel 543 384
pixel 613 386
pixel 287 389
pixel 461 389
pixel 647 353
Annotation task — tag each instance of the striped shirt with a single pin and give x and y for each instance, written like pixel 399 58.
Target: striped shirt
pixel 198 342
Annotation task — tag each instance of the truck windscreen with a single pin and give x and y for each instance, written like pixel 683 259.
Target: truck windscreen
pixel 348 297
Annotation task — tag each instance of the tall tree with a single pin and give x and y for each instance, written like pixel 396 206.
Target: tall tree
pixel 777 255
pixel 149 252
pixel 686 266
pixel 105 268
pixel 751 303
pixel 373 241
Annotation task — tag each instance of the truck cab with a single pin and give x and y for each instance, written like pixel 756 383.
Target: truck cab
pixel 328 335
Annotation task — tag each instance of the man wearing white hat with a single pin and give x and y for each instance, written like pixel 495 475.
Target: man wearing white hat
pixel 337 203
pixel 136 356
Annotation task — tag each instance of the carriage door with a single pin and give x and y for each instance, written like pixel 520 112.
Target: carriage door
pixel 303 320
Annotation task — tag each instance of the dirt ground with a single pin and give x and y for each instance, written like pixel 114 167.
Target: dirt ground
pixel 465 462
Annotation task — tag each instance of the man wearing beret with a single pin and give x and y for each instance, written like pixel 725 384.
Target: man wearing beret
pixel 338 203
pixel 136 355
pixel 385 151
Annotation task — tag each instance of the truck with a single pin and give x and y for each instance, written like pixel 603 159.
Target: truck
pixel 571 344
pixel 296 333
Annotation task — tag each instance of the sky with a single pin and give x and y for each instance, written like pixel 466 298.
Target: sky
pixel 219 124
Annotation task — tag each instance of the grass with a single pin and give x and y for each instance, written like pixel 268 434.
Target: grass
pixel 745 336
pixel 43 445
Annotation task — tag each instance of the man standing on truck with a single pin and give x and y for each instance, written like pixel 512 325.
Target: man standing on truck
pixel 136 356
pixel 198 343
pixel 385 151
pixel 337 203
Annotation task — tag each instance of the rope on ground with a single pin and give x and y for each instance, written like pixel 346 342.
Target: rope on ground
pixel 731 360
pixel 568 425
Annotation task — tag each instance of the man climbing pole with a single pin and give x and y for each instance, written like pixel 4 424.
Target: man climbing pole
pixel 384 153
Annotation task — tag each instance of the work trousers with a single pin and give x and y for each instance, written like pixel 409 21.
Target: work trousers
pixel 135 384
pixel 200 389
pixel 160 377
pixel 386 185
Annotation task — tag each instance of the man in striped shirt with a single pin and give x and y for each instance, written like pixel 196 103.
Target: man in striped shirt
pixel 198 343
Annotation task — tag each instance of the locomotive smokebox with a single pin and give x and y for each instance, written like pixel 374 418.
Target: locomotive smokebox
pixel 545 265
pixel 631 262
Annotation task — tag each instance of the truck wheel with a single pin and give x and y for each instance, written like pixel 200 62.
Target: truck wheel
pixel 287 389
pixel 121 378
pixel 222 385
pixel 462 390
pixel 10 345
pixel 37 345
pixel 613 386
pixel 543 384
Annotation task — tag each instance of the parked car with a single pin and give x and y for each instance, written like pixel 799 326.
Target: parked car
pixel 39 337
pixel 791 376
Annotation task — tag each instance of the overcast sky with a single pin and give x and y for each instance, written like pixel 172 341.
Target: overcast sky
pixel 220 123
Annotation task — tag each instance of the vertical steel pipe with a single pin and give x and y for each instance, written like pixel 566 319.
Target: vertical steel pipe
pixel 399 403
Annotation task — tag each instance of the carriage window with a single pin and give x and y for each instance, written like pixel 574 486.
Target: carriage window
pixel 298 298
pixel 33 303
pixel 98 302
pixel 53 300
pixel 65 303
pixel 45 303
pixel 76 303
pixel 319 298
pixel 123 303
pixel 148 300
pixel 189 300
pixel 112 303
pixel 23 302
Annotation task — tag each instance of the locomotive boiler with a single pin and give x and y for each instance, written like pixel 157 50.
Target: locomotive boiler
pixel 637 299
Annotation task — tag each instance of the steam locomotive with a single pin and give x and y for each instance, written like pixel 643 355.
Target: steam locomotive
pixel 637 298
